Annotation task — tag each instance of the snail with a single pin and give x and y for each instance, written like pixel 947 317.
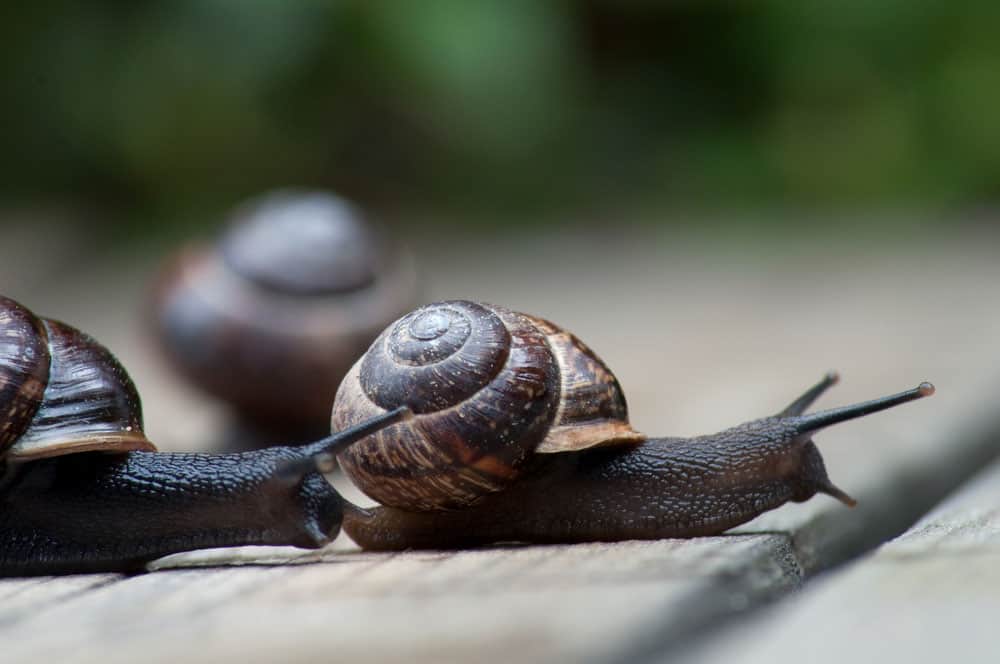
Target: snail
pixel 83 490
pixel 272 316
pixel 520 433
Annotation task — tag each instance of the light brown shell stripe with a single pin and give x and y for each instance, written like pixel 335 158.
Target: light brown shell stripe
pixel 124 442
pixel 90 402
pixel 401 465
pixel 451 457
pixel 592 408
pixel 475 429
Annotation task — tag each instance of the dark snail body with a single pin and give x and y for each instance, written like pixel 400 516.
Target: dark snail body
pixel 662 488
pixel 594 488
pixel 95 512
pixel 81 489
pixel 271 317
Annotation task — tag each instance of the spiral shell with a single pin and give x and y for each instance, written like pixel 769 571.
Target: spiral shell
pixel 271 318
pixel 489 387
pixel 61 392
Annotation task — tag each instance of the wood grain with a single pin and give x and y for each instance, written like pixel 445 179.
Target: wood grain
pixel 701 338
pixel 930 595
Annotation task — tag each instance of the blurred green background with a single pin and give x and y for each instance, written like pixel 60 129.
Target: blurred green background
pixel 160 114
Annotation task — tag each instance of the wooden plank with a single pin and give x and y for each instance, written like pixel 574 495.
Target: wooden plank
pixel 94 625
pixel 931 595
pixel 700 341
pixel 515 604
pixel 20 599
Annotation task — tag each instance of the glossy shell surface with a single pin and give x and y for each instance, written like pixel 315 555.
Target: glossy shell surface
pixel 490 387
pixel 62 392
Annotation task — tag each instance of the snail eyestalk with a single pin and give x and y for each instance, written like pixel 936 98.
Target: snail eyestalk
pixel 322 455
pixel 524 437
pixel 800 405
pixel 825 418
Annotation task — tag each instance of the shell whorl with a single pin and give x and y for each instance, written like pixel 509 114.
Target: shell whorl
pixel 489 388
pixel 63 393
pixel 436 357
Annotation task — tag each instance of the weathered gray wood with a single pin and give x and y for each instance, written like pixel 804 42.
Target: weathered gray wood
pixel 699 340
pixel 525 604
pixel 931 595
pixel 21 598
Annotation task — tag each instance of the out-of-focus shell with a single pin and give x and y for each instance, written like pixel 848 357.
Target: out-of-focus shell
pixel 271 318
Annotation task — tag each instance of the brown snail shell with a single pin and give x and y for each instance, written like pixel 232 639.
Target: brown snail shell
pixel 489 387
pixel 121 504
pixel 62 391
pixel 271 318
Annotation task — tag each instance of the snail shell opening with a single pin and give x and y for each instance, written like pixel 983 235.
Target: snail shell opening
pixel 490 387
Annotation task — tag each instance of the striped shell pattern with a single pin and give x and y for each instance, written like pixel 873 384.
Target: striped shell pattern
pixel 61 392
pixel 490 387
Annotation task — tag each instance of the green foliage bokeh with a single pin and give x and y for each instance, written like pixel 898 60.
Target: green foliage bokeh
pixel 503 104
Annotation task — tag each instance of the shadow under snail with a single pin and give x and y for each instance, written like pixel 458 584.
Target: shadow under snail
pixel 272 315
pixel 83 490
pixel 520 433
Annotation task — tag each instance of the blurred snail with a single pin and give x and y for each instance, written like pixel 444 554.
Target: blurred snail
pixel 520 433
pixel 82 489
pixel 272 316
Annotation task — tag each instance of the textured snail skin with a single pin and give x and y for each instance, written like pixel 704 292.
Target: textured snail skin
pixel 93 512
pixel 665 487
pixel 511 452
pixel 82 489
